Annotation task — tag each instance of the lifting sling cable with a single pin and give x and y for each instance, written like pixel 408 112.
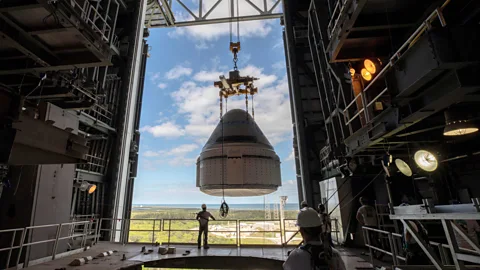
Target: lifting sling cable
pixel 224 206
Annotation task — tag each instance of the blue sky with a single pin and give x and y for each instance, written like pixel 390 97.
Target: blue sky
pixel 180 106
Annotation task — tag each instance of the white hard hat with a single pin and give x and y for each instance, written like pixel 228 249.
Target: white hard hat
pixel 308 218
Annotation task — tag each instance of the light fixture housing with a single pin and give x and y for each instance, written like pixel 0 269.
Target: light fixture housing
pixel 387 159
pixel 91 188
pixel 352 72
pixel 370 66
pixel 86 186
pixel 366 75
pixel 426 161
pixel 403 167
pixel 458 123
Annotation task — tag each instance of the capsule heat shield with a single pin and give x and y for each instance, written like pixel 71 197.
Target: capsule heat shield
pixel 250 165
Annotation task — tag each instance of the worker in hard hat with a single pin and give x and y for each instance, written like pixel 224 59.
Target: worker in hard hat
pixel 203 217
pixel 326 224
pixel 367 217
pixel 313 254
pixel 304 204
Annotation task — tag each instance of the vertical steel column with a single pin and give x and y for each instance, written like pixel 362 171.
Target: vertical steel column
pixel 127 116
pixel 153 232
pixel 169 230
pixel 296 100
pixel 74 201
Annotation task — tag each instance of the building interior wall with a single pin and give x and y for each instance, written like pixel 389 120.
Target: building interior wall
pixel 106 125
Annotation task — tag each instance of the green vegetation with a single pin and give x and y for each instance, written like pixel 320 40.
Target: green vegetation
pixel 163 225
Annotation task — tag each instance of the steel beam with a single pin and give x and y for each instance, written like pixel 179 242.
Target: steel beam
pixel 15 38
pixel 449 216
pixel 92 122
pixel 54 68
pixel 160 14
pixel 428 251
pixel 296 103
pixel 221 20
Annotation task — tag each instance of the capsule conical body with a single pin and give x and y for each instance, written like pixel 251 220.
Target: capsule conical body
pixel 238 160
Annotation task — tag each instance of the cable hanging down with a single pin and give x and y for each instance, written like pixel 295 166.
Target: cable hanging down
pixel 224 206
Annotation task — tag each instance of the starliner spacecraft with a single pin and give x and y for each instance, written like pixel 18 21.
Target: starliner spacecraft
pixel 239 148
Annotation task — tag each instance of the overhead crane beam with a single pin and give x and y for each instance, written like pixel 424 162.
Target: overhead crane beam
pixel 160 15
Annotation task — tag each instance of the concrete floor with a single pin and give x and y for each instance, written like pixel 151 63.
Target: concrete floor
pixel 214 258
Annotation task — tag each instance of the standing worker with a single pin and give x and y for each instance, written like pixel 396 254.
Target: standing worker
pixel 304 204
pixel 203 217
pixel 326 224
pixel 313 254
pixel 367 216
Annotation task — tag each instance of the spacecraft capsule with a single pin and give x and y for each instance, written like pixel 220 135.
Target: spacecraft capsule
pixel 249 163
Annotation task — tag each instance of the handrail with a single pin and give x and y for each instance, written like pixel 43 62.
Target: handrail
pixel 445 258
pixel 93 228
pixel 437 13
pixel 58 227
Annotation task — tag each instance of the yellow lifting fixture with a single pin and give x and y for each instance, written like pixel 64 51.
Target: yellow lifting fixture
pixel 235 84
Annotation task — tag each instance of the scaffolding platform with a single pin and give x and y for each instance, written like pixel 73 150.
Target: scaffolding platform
pixel 238 258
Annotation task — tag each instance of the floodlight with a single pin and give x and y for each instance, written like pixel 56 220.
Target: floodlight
pixel 403 167
pixel 458 123
pixel 366 75
pixel 370 66
pixel 426 160
pixel 85 186
pixel 352 72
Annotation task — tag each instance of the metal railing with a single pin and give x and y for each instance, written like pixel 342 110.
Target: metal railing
pixel 339 12
pixel 89 14
pixel 23 242
pixel 437 13
pixel 163 231
pixel 242 232
pixel 446 252
pixel 288 229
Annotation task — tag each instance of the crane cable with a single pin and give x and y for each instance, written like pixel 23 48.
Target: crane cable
pixel 358 194
pixel 224 206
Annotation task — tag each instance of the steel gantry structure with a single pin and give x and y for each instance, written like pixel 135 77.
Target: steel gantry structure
pixel 160 14
pixel 422 72
pixel 75 71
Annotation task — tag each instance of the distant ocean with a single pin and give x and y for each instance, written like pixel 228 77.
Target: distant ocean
pixel 253 206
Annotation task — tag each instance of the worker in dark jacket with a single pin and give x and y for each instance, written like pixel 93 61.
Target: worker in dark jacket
pixel 203 217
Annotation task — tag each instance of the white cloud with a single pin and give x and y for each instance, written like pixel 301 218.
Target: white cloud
pixel 244 58
pixel 197 101
pixel 202 45
pixel 291 182
pixel 178 151
pixel 279 65
pixel 176 156
pixel 279 44
pixel 259 28
pixel 162 85
pixel 150 153
pixel 183 149
pixel 154 76
pixel 291 156
pixel 208 76
pixel 168 129
pixel 182 161
pixel 178 72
